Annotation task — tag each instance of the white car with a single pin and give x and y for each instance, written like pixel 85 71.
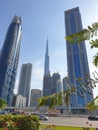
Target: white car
pixel 43 117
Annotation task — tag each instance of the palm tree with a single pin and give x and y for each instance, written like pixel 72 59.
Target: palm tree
pixel 3 103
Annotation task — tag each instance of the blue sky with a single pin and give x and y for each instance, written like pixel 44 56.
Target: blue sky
pixel 42 19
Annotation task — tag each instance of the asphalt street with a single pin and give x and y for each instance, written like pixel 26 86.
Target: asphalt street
pixel 71 121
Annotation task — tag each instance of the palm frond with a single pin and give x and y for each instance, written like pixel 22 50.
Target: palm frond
pixel 95 60
pixel 94 43
pixel 91 106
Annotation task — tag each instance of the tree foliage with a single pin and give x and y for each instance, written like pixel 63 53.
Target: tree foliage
pixel 67 95
pixel 50 101
pixel 86 34
pixel 3 103
pixel 92 105
pixel 56 99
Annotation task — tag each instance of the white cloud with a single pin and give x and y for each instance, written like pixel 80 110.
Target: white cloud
pixel 58 53
pixel 37 71
pixel 58 62
pixel 37 75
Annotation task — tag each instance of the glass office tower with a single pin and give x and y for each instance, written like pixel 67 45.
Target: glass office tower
pixel 25 81
pixel 77 62
pixel 9 58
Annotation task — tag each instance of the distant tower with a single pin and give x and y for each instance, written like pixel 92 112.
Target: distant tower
pixel 55 78
pixel 59 86
pixel 47 80
pixel 25 81
pixel 9 57
pixel 35 94
pixel 77 63
pixel 65 84
pixel 47 84
pixel 46 69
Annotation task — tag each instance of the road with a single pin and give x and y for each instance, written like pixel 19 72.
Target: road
pixel 71 121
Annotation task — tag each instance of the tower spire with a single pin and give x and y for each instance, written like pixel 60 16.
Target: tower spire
pixel 46 67
pixel 47 46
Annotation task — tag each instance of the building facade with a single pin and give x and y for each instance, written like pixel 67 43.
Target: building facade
pixel 59 86
pixel 19 101
pixel 35 94
pixel 55 78
pixel 77 62
pixel 47 85
pixel 66 85
pixel 47 80
pixel 9 57
pixel 25 81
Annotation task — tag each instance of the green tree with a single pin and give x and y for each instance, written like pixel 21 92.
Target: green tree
pixel 3 103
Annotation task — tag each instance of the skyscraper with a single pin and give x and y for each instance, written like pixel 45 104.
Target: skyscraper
pixel 35 94
pixel 47 80
pixel 47 85
pixel 9 58
pixel 65 84
pixel 25 81
pixel 55 78
pixel 46 65
pixel 59 86
pixel 77 63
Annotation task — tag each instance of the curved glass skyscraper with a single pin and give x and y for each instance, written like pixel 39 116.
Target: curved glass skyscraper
pixel 77 62
pixel 9 60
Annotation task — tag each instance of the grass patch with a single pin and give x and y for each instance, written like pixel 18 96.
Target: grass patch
pixel 55 127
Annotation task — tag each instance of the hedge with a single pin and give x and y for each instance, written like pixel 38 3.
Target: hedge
pixel 19 122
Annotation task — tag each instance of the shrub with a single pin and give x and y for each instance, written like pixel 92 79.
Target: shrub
pixel 19 122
